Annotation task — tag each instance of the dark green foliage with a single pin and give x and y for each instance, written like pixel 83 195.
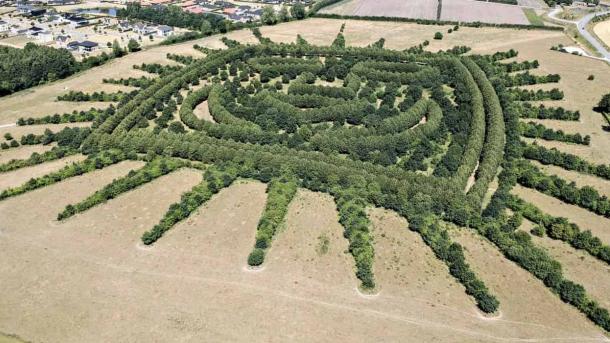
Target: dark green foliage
pixel 526 110
pixel 280 192
pixel 33 65
pixel 564 160
pixel 535 130
pixel 36 158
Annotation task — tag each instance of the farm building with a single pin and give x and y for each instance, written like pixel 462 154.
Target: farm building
pixel 84 46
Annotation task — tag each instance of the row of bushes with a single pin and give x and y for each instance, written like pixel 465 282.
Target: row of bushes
pixel 95 96
pixel 534 130
pixel 215 179
pixel 74 117
pixel 141 82
pixel 586 197
pixel 523 79
pixel 531 95
pixel 36 158
pixel 559 228
pixel 280 192
pixel 565 160
pixel 352 215
pixel 527 110
pixel 90 164
pixel 518 247
pixel 434 22
pixel 453 255
pixel 493 148
pixel 135 178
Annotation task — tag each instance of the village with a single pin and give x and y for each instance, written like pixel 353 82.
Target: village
pixel 92 27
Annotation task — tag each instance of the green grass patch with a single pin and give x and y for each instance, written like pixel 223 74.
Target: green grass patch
pixel 533 17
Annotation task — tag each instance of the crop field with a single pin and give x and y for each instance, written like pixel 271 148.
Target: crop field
pixel 320 180
pixel 424 9
pixel 452 10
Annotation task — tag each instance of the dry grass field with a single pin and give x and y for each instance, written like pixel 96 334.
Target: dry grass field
pixel 89 278
pixel 602 30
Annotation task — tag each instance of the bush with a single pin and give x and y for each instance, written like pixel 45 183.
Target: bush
pixel 591 77
pixel 256 257
pixel 438 36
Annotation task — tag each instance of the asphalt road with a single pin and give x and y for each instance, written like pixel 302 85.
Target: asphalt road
pixel 581 26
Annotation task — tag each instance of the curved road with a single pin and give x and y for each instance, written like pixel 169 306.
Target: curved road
pixel 581 26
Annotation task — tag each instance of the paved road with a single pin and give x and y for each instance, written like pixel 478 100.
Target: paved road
pixel 581 26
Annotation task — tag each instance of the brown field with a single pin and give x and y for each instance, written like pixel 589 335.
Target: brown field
pixel 89 279
pixel 422 9
pixel 578 266
pixel 602 30
pixel 488 12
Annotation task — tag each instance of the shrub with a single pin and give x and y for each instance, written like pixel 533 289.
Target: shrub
pixel 438 36
pixel 256 257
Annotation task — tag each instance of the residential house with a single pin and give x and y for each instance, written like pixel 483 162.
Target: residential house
pixel 4 26
pixel 30 11
pixel 143 29
pixel 44 36
pixel 84 46
pixel 124 26
pixel 33 31
pixel 164 31
pixel 77 21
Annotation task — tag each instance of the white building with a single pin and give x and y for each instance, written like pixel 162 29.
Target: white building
pixel 44 36
pixel 164 31
pixel 4 26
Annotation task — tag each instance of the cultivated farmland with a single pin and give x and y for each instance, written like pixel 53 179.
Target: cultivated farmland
pixel 314 190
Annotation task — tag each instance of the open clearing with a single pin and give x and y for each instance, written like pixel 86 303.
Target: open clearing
pixel 602 30
pixel 89 279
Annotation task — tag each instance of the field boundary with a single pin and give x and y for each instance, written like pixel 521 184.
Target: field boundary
pixel 436 22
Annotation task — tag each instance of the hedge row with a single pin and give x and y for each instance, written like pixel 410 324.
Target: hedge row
pixel 565 160
pixel 90 164
pixel 586 197
pixel 54 154
pixel 559 228
pixel 535 130
pixel 214 180
pixel 453 255
pixel 152 170
pixel 74 117
pixel 280 192
pixel 526 110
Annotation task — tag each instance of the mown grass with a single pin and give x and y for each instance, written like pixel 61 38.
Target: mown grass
pixel 532 17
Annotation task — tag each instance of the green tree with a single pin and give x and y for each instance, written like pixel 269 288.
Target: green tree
pixel 604 104
pixel 283 14
pixel 268 17
pixel 298 11
pixel 133 45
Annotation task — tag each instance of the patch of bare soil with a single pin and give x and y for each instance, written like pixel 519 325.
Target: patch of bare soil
pixel 202 111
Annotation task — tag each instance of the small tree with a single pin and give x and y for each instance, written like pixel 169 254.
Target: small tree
pixel 116 49
pixel 133 45
pixel 283 15
pixel 268 17
pixel 438 36
pixel 206 27
pixel 257 257
pixel 591 77
pixel 298 11
pixel 604 104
